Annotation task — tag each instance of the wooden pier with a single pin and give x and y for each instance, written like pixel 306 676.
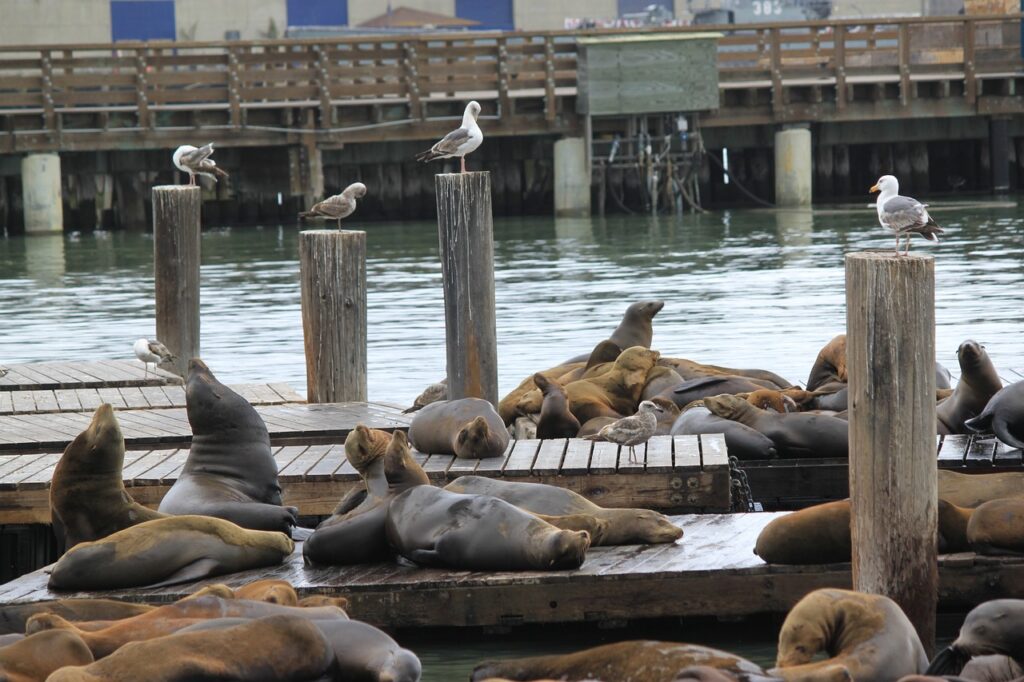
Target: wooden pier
pixel 49 376
pixel 711 571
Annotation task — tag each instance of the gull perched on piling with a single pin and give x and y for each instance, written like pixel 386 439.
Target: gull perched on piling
pixel 339 206
pixel 632 431
pixel 197 161
pixel 460 141
pixel 151 350
pixel 903 215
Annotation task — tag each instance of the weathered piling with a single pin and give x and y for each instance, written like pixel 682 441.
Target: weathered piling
pixel 176 269
pixel 466 240
pixel 332 269
pixel 890 322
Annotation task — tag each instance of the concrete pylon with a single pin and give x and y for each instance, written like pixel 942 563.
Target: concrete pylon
pixel 793 167
pixel 40 183
pixel 572 178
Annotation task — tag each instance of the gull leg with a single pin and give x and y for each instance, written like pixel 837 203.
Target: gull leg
pixel 632 455
pixel 897 243
pixel 339 224
pixel 463 160
pixel 146 365
pixel 906 251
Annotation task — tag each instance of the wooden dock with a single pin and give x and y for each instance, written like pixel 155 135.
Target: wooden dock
pixel 711 571
pixel 49 376
pixel 682 472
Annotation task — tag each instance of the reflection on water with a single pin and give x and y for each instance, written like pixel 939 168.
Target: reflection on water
pixel 743 288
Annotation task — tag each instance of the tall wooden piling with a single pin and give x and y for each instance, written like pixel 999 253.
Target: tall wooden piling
pixel 332 269
pixel 890 323
pixel 176 269
pixel 465 236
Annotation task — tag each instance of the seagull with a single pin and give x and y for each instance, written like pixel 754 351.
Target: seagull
pixel 152 351
pixel 339 206
pixel 632 431
pixel 903 215
pixel 431 394
pixel 460 141
pixel 197 162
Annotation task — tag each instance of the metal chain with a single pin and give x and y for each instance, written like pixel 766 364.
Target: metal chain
pixel 742 498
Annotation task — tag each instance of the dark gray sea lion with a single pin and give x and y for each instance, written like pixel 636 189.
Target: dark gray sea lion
pixel 34 658
pixel 592 427
pixel 626 526
pixel 977 385
pixel 703 387
pixel 230 472
pixel 1003 415
pixel 689 369
pixel 434 527
pixel 795 434
pixel 659 380
pixel 467 427
pixel 165 552
pixel 556 421
pixel 995 627
pixel 740 440
pixel 943 379
pixel 88 500
pixel 14 616
pixel 635 329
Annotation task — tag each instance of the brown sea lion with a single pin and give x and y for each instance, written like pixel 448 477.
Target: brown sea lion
pixel 34 658
pixel 1004 416
pixel 615 393
pixel 269 590
pixel 830 364
pixel 867 638
pixel 285 648
pixel 977 385
pixel 767 399
pixel 593 426
pixel 740 440
pixel 604 352
pixel 971 490
pixel 704 387
pixel 165 552
pixel 997 527
pixel 795 434
pixel 626 526
pixel 507 405
pixel 435 527
pixel 88 500
pixel 995 627
pixel 13 616
pixel 556 421
pixel 467 427
pixel 635 661
pixel 230 472
pixel 689 369
pixel 400 470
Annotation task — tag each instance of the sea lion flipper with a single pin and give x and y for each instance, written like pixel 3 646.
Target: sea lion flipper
pixel 1001 427
pixel 982 423
pixel 426 557
pixel 197 570
pixel 698 383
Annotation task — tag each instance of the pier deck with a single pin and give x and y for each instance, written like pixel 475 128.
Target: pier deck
pixel 48 376
pixel 710 571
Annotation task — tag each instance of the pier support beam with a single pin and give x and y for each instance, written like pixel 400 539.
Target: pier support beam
pixel 793 166
pixel 572 178
pixel 466 240
pixel 332 270
pixel 176 212
pixel 890 354
pixel 999 153
pixel 306 172
pixel 40 182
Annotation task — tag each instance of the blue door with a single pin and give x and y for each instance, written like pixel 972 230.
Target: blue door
pixel 317 12
pixel 142 20
pixel 492 14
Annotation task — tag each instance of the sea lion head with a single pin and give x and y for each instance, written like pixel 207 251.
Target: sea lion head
pixel 992 628
pixel 543 383
pixel 971 355
pixel 645 526
pixel 727 406
pixel 323 600
pixel 360 448
pixel 472 437
pixel 100 448
pixel 270 591
pixel 637 358
pixel 530 403
pixel 567 548
pixel 644 310
pixel 402 666
pixel 767 399
pixel 606 351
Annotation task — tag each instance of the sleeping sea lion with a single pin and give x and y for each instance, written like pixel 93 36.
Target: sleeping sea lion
pixel 689 369
pixel 794 434
pixel 230 472
pixel 997 527
pixel 268 590
pixel 768 399
pixel 88 500
pixel 740 440
pixel 556 421
pixel 615 393
pixel 35 657
pixel 167 551
pixel 659 380
pixel 1004 416
pixel 994 627
pixel 977 385
pixel 704 387
pixel 467 427
pixel 14 616
pixel 507 405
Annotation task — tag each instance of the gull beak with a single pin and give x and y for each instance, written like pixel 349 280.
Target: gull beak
pixel 874 188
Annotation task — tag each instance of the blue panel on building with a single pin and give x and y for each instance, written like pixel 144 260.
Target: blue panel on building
pixel 633 6
pixel 317 12
pixel 492 14
pixel 142 20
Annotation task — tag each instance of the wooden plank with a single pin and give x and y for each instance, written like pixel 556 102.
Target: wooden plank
pixel 687 453
pixel 155 396
pixel 577 457
pixel 133 397
pixel 980 451
pixel 461 466
pixel 323 470
pixel 659 454
pixel 640 455
pixel 304 462
pixel 604 458
pixel 520 460
pixel 45 401
pixel 549 457
pixel 1005 456
pixel 492 466
pixel 436 466
pixel 713 452
pixel 953 449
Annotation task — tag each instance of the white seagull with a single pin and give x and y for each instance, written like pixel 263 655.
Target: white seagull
pixel 460 141
pixel 339 206
pixel 903 215
pixel 197 162
pixel 153 351
pixel 632 431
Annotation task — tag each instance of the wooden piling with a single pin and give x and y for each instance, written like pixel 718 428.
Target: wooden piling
pixel 466 241
pixel 332 270
pixel 176 211
pixel 890 322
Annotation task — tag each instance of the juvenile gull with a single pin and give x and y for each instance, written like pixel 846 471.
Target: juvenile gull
pixel 339 206
pixel 903 215
pixel 632 431
pixel 197 162
pixel 460 141
pixel 151 350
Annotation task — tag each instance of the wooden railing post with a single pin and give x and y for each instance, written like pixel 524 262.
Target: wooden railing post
pixel 46 73
pixel 839 51
pixel 332 270
pixel 323 81
pixel 466 242
pixel 504 101
pixel 412 80
pixel 176 210
pixel 890 322
pixel 775 47
pixel 550 103
pixel 970 78
pixel 906 85
pixel 234 90
pixel 141 90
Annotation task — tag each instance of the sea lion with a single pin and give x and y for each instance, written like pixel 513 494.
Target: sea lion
pixel 636 329
pixel 667 417
pixel 230 472
pixel 621 661
pixel 1004 416
pixel 659 380
pixel 971 490
pixel 795 434
pixel 994 627
pixel 268 590
pixel 626 526
pixel 593 426
pixel 992 668
pixel 165 552
pixel 507 405
pixel 88 500
pixel 830 364
pixel 615 393
pixel 604 352
pixel 400 469
pixel 435 527
pixel 704 387
pixel 34 658
pixel 556 421
pixel 997 527
pixel 704 673
pixel 467 427
pixel 689 369
pixel 286 648
pixel 768 399
pixel 977 385
pixel 943 379
pixel 13 616
pixel 866 636
pixel 740 440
